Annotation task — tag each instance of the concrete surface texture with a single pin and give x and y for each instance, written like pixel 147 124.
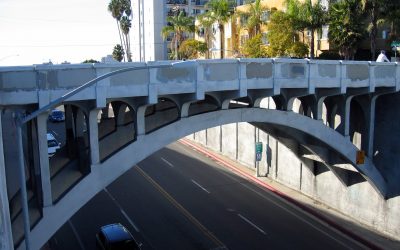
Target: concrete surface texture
pixel 316 153
pixel 279 163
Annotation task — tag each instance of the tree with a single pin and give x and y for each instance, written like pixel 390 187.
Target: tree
pixel 281 36
pixel 307 16
pixel 121 11
pixel 374 10
pixel 254 48
pixel 125 24
pixel 178 25
pixel 254 17
pixel 118 53
pixel 206 22
pixel 220 11
pixel 191 48
pixel 90 61
pixel 392 10
pixel 345 29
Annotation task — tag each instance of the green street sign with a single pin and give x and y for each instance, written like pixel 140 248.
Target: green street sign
pixel 395 44
pixel 259 147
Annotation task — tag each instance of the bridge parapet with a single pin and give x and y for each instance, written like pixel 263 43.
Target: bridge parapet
pixel 206 76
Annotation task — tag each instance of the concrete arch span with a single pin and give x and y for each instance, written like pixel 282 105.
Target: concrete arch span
pixel 103 174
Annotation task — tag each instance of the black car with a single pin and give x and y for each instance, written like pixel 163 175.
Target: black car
pixel 115 237
pixel 56 116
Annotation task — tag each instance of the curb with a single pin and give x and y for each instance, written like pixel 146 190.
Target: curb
pixel 283 196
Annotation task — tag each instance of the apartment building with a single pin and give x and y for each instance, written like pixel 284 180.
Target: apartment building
pixel 149 17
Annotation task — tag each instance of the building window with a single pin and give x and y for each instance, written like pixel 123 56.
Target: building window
pixel 243 39
pixel 265 16
pixel 324 33
pixel 385 34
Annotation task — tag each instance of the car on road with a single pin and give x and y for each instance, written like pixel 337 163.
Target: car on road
pixel 115 236
pixel 52 144
pixel 56 116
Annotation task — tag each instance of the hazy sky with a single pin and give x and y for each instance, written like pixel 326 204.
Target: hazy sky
pixel 36 31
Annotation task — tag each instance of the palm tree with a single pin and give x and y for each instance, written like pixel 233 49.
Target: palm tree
pixel 118 52
pixel 220 11
pixel 126 25
pixel 345 29
pixel 178 25
pixel 121 11
pixel 308 16
pixel 255 17
pixel 206 21
pixel 115 7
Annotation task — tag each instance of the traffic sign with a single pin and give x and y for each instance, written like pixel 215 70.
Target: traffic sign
pixel 395 44
pixel 259 149
pixel 258 156
pixel 360 157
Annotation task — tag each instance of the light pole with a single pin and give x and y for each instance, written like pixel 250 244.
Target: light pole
pixel 21 119
pixel 8 56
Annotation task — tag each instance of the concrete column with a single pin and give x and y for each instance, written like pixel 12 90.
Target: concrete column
pixel 6 239
pixel 70 131
pixel 44 160
pixel 346 117
pixel 140 118
pixel 94 136
pixel 371 127
pixel 81 143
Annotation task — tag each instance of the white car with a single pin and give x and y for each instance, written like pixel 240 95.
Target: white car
pixel 52 144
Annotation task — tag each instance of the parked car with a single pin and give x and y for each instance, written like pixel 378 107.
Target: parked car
pixel 52 144
pixel 115 236
pixel 56 116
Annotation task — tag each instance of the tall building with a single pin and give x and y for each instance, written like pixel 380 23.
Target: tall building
pixel 149 17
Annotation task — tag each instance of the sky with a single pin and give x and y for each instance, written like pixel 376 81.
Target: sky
pixel 39 31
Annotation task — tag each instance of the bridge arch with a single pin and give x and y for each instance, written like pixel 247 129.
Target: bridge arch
pixel 103 174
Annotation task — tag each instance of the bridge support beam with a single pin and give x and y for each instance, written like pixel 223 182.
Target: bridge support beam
pixel 93 136
pixel 6 239
pixel 44 160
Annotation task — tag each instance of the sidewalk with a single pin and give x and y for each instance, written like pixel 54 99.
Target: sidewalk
pixel 328 216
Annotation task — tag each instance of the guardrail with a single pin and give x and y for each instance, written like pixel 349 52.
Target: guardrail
pixel 209 75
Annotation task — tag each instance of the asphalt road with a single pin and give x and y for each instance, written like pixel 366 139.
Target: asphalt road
pixel 179 199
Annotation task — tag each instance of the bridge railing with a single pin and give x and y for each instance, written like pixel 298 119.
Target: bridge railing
pixel 208 75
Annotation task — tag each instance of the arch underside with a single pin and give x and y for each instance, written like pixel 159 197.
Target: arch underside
pixel 311 135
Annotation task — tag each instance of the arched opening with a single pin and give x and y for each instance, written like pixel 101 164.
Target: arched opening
pixel 117 128
pixel 73 156
pixel 161 114
pixel 268 103
pixel 207 105
pixel 357 124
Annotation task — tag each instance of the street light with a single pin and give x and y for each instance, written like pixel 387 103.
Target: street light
pixel 8 56
pixel 20 120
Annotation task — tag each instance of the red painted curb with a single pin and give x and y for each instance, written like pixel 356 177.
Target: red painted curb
pixel 284 196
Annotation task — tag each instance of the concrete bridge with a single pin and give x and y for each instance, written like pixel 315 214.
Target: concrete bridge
pixel 125 112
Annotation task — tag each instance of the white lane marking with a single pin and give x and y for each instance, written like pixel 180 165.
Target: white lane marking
pixel 122 211
pixel 252 224
pixel 305 220
pixel 167 162
pixel 76 235
pixel 54 132
pixel 197 184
